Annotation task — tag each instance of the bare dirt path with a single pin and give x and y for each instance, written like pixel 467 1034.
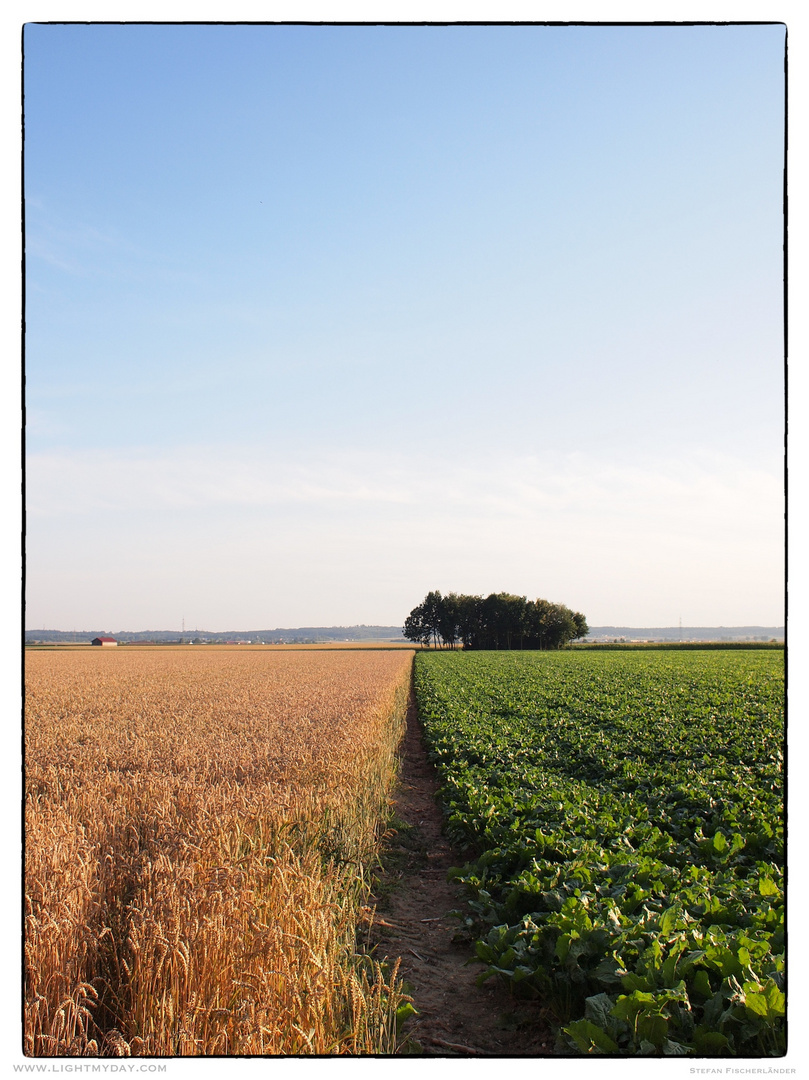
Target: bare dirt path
pixel 412 921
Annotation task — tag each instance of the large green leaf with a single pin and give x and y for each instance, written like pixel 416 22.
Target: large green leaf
pixel 590 1038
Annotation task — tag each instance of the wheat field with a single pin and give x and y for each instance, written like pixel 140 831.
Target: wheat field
pixel 199 828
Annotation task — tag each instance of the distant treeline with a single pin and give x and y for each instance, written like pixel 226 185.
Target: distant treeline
pixel 172 637
pixel 622 634
pixel 607 645
pixel 498 621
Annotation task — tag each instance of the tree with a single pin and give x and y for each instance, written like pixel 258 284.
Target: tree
pixel 415 628
pixel 423 624
pixel 582 629
pixel 433 609
pixel 448 615
pixel 504 615
pixel 470 624
pixel 552 625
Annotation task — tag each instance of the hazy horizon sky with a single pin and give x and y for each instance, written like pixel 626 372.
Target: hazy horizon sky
pixel 321 318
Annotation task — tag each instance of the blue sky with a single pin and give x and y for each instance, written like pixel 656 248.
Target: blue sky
pixel 321 318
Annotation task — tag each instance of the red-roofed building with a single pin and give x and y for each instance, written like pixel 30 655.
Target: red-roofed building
pixel 103 641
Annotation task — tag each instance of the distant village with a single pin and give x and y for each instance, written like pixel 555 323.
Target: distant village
pixel 390 634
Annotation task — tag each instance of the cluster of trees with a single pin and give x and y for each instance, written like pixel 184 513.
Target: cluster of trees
pixel 498 621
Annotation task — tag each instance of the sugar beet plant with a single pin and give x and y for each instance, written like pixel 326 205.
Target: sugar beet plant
pixel 623 817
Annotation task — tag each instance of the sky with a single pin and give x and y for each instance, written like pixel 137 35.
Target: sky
pixel 320 318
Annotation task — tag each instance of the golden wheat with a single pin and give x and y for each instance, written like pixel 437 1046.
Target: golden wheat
pixel 198 826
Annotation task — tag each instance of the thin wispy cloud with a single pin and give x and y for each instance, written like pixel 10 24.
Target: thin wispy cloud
pixel 666 492
pixel 568 528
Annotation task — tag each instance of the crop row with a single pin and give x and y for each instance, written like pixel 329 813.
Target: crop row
pixel 623 814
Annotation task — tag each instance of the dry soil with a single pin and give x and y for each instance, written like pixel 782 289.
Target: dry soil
pixel 413 920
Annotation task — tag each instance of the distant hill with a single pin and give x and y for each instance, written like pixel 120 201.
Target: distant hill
pixel 304 634
pixel 685 633
pixel 295 635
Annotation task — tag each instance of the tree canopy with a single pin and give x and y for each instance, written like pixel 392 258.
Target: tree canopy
pixel 498 621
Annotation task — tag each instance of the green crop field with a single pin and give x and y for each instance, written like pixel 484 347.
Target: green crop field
pixel 623 817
